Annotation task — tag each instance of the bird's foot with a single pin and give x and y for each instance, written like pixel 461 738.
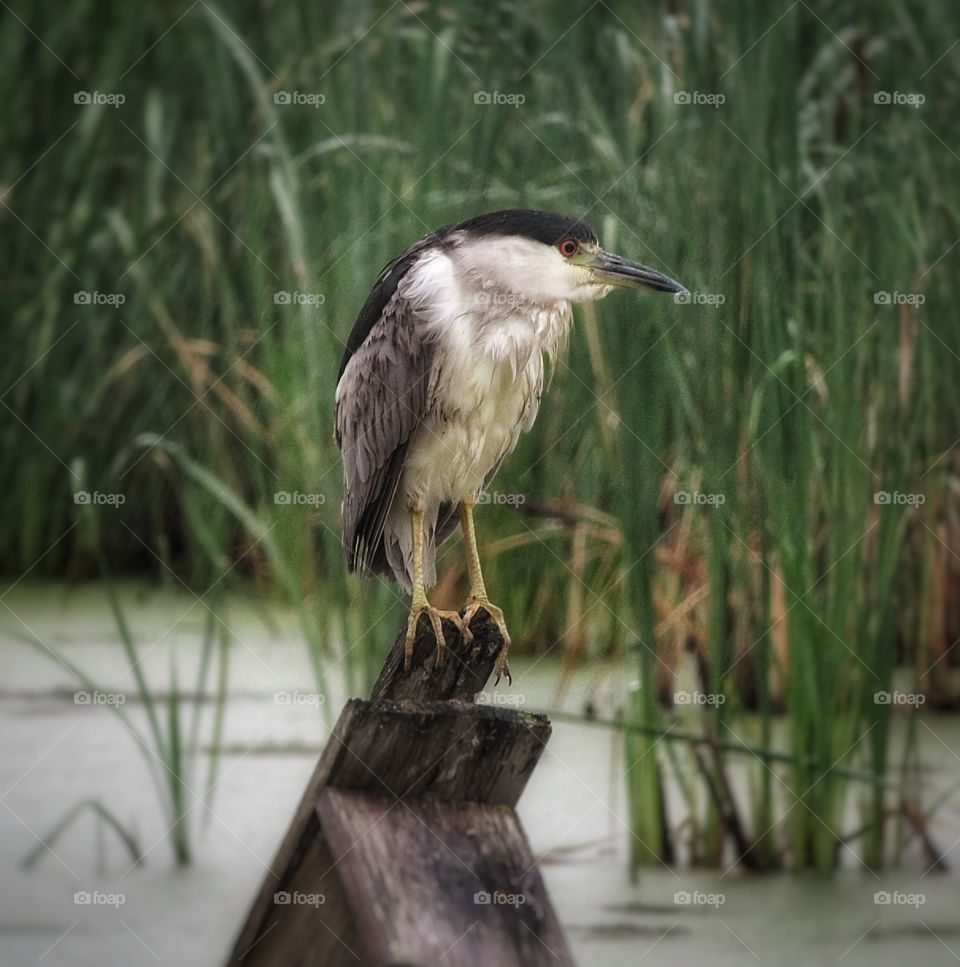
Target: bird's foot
pixel 502 666
pixel 474 604
pixel 436 617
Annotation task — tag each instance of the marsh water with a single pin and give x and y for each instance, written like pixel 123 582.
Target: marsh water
pixel 59 750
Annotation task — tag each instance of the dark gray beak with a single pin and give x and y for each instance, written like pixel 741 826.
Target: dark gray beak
pixel 614 270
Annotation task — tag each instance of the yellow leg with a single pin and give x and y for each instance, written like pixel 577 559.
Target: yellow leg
pixel 419 603
pixel 477 597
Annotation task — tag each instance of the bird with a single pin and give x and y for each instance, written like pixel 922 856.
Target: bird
pixel 442 372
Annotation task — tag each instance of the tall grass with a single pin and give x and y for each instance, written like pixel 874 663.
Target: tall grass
pixel 169 740
pixel 202 398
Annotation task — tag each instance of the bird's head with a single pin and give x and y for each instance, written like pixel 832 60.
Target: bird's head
pixel 544 257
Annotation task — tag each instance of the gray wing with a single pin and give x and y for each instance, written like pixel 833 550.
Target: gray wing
pixel 382 398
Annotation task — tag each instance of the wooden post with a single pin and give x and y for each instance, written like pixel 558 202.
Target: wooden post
pixel 405 848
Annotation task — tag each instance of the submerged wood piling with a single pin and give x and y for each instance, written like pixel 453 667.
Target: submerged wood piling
pixel 405 848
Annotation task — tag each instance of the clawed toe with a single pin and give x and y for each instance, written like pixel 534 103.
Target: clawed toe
pixel 502 667
pixel 475 604
pixel 436 616
pixel 462 621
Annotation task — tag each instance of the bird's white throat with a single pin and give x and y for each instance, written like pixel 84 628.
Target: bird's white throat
pixel 477 312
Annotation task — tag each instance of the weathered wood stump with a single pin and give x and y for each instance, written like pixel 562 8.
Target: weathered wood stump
pixel 405 848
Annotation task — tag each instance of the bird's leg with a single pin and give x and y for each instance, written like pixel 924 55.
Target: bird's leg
pixel 477 597
pixel 419 602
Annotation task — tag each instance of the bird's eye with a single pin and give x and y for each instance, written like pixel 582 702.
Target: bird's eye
pixel 568 247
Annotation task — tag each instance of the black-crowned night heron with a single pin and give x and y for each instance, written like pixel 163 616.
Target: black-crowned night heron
pixel 442 372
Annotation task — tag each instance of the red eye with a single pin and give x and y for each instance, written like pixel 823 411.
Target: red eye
pixel 568 247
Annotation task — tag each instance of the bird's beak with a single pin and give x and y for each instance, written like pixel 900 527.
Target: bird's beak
pixel 611 269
